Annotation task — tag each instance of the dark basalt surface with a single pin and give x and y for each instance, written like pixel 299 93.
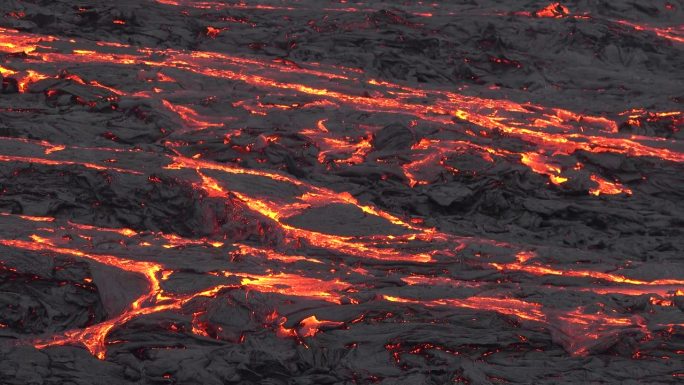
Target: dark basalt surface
pixel 336 192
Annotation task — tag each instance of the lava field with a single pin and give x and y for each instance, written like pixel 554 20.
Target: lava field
pixel 341 192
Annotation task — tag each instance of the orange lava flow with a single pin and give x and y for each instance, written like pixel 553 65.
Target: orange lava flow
pixel 585 327
pixel 246 250
pixel 50 162
pixel 675 34
pixel 538 164
pixel 296 285
pixel 212 187
pixel 553 10
pixel 190 117
pixel 156 300
pixel 508 306
pixel 310 326
pixel 558 11
pixel 343 244
pixel 606 187
pixel 93 337
pixel 545 136
pixel 481 111
pixel 544 270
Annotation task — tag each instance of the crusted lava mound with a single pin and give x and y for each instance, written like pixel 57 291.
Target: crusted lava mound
pixel 341 192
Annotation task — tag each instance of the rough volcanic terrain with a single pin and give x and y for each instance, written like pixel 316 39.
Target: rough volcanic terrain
pixel 340 192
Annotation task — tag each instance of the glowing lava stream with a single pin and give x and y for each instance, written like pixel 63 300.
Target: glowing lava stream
pixel 50 162
pixel 588 327
pixel 675 34
pixel 275 211
pixel 332 242
pixel 545 270
pixel 441 111
pixel 524 256
pixel 459 106
pixel 554 10
pixel 278 211
pixel 265 7
pixel 483 112
pixel 559 11
pixel 324 195
pixel 316 194
pixel 156 300
pixel 93 337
